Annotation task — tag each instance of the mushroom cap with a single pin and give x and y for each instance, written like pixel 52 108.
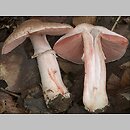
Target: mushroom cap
pixel 33 26
pixel 113 45
pixel 70 46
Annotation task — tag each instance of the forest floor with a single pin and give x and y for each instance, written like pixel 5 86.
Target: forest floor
pixel 20 90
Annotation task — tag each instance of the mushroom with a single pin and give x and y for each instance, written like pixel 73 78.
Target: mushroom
pixel 54 90
pixel 93 45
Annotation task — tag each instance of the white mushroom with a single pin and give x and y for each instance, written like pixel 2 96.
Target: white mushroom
pixel 93 45
pixel 52 84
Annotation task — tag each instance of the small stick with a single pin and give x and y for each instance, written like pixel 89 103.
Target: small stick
pixel 116 22
pixel 9 92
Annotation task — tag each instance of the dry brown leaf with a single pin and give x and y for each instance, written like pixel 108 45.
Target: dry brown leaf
pixel 125 79
pixel 84 19
pixel 113 82
pixel 17 70
pixel 8 105
pixel 119 101
pixel 126 95
pixel 125 65
pixel 68 67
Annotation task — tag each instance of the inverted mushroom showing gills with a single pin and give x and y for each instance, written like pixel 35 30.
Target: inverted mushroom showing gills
pixel 93 46
pixel 55 92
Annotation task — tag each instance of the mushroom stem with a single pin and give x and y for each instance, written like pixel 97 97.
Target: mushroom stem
pixel 94 94
pixel 52 84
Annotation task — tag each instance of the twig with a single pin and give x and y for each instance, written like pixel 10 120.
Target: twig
pixel 9 92
pixel 116 22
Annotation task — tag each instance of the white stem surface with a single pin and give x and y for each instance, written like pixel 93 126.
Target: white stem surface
pixel 52 83
pixel 94 94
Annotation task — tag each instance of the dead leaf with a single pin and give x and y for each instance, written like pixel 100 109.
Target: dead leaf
pixel 68 67
pixel 126 95
pixel 125 80
pixel 119 101
pixel 8 105
pixel 17 70
pixel 113 82
pixel 84 19
pixel 35 105
pixel 125 65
